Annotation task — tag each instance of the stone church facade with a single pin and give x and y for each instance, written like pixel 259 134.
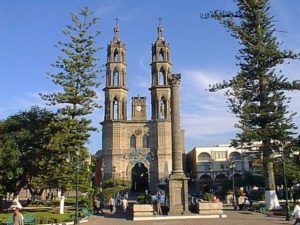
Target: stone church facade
pixel 137 149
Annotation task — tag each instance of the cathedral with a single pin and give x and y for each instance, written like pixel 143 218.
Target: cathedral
pixel 137 149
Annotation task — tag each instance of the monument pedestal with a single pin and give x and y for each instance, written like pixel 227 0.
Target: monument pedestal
pixel 178 194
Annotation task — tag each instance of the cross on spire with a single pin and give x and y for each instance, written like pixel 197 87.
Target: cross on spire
pixel 159 21
pixel 160 29
pixel 117 22
pixel 117 30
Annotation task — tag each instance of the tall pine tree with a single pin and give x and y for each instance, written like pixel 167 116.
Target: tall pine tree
pixel 257 93
pixel 76 73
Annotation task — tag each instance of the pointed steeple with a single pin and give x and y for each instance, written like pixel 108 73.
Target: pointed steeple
pixel 160 30
pixel 117 30
pixel 115 89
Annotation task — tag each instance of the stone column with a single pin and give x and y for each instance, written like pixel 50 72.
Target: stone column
pixel 178 185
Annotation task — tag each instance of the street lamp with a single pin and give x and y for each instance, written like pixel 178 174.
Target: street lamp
pixel 287 216
pixel 76 220
pixel 77 167
pixel 232 167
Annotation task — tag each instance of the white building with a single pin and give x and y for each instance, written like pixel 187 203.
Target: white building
pixel 209 167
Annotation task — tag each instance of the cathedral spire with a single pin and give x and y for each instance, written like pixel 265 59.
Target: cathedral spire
pixel 160 30
pixel 117 30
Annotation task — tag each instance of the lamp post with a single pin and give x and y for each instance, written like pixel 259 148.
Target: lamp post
pixel 232 167
pixel 75 162
pixel 287 208
pixel 76 221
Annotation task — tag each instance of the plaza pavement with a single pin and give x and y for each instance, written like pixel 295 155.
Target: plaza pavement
pixel 233 218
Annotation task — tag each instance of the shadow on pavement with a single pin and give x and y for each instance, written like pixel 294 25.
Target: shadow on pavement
pixel 119 214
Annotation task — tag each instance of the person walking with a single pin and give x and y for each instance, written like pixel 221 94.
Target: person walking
pixel 124 203
pixel 296 213
pixel 101 205
pixel 17 217
pixel 111 204
pixel 158 203
pixel 96 206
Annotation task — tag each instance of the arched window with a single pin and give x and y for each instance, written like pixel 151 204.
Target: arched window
pixel 161 55
pixel 145 141
pixel 132 141
pixel 116 55
pixel 116 78
pixel 204 156
pixel 162 77
pixel 235 156
pixel 163 108
pixel 116 108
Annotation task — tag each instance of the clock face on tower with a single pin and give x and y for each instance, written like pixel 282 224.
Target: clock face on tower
pixel 138 108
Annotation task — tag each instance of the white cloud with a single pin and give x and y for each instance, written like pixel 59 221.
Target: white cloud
pixel 197 125
pixel 204 113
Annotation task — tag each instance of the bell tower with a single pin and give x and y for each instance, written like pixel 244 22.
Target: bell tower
pixel 160 70
pixel 115 88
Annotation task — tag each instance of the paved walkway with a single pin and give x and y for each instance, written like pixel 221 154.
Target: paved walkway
pixel 233 218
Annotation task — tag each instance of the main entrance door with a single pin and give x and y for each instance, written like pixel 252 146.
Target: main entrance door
pixel 139 178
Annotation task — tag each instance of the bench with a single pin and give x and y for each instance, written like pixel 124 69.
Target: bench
pixel 28 220
pixel 86 212
pixel 9 220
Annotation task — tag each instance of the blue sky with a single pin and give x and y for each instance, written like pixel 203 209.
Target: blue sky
pixel 201 50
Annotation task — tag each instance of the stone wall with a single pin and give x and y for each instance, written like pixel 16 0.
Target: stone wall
pixel 209 208
pixel 142 210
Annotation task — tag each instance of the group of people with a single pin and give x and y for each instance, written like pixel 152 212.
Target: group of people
pixel 243 203
pixel 121 202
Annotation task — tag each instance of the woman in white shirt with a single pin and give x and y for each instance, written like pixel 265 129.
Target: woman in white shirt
pixel 296 213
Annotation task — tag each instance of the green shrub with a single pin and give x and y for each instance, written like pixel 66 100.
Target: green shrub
pixel 144 199
pixel 110 183
pixel 208 196
pixel 44 216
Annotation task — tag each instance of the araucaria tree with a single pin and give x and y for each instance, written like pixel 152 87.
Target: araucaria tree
pixel 256 94
pixel 75 72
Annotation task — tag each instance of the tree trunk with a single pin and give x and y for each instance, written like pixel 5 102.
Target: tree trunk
pixel 62 202
pixel 270 187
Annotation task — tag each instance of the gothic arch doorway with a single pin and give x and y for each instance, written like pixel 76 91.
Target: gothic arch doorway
pixel 139 178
